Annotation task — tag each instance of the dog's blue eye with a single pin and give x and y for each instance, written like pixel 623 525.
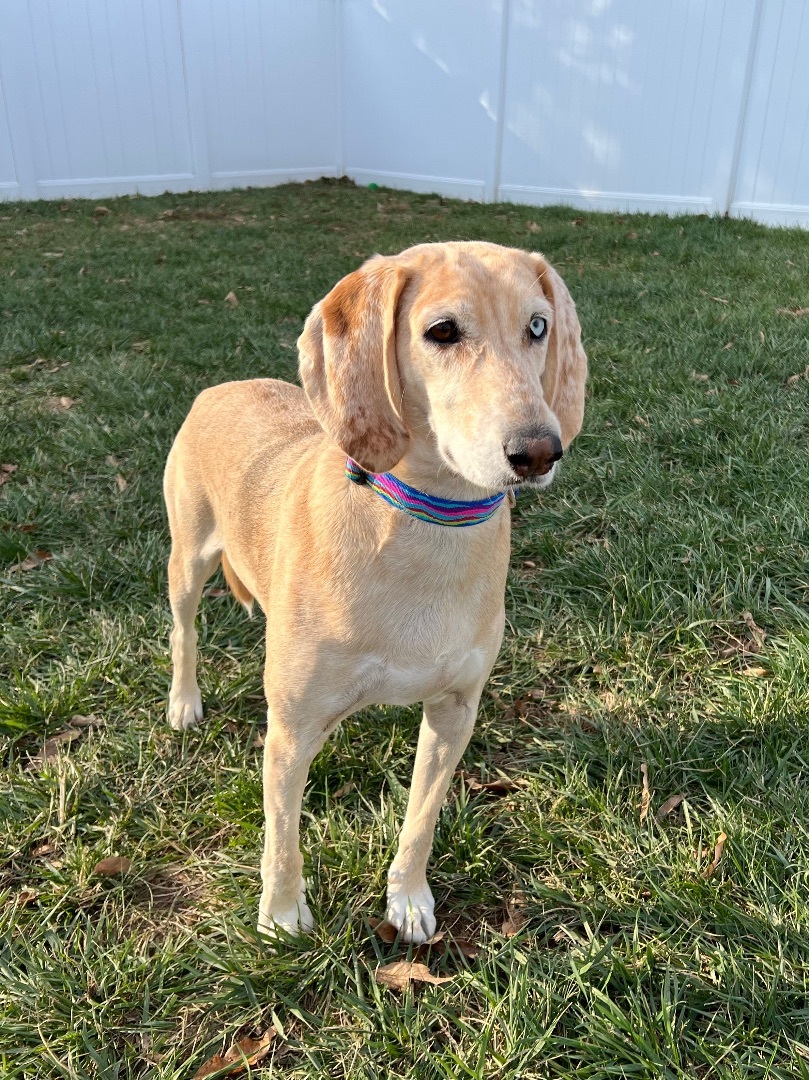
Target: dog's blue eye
pixel 537 328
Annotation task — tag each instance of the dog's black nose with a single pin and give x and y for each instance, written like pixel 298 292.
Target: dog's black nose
pixel 533 455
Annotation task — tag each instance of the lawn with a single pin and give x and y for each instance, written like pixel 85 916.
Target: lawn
pixel 657 646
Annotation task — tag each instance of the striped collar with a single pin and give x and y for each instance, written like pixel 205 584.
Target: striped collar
pixel 423 506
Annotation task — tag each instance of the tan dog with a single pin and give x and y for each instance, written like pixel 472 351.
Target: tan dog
pixel 459 366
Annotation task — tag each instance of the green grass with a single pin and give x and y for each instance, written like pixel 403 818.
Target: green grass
pixel 682 507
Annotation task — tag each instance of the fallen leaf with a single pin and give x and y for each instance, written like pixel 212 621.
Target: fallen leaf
pixel 141 346
pixel 79 721
pixel 401 973
pixel 243 1053
pixel 101 211
pixel 699 377
pixel 529 564
pixel 51 746
pixel 670 804
pixel 384 930
pixel 53 254
pixel 642 421
pixel 499 786
pixel 26 897
pixel 112 865
pixel 35 559
pixel 59 404
pixel 6 472
pixel 761 337
pixel 758 634
pixel 728 346
pixel 216 591
pixel 792 379
pixel 514 922
pixel 717 855
pixel 258 740
pixel 232 299
pixel 341 792
pixel 754 672
pixel 796 313
pixel 645 795
pixel 121 482
pixel 467 948
pixel 532 226
pixel 43 849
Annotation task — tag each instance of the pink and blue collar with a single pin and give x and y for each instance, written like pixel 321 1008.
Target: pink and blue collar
pixel 423 506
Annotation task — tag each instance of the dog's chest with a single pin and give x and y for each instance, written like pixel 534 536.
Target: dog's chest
pixel 403 679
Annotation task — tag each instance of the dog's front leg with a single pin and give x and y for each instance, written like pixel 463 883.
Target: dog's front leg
pixel 289 750
pixel 445 731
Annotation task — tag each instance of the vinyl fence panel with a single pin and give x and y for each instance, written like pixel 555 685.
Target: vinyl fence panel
pixel 421 85
pixel 773 171
pixel 659 105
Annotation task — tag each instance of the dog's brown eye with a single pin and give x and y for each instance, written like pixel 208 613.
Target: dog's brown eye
pixel 537 328
pixel 444 332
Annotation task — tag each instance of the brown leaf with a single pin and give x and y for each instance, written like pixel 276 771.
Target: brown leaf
pixel 112 865
pixel 79 721
pixel 401 973
pixel 341 792
pixel 121 482
pixel 670 804
pixel 717 855
pixel 699 377
pixel 43 849
pixel 499 786
pixel 35 559
pixel 5 473
pixel 793 379
pixel 728 346
pixel 642 421
pixel 797 312
pixel 51 747
pixel 232 299
pixel 645 795
pixel 467 948
pixel 758 634
pixel 59 404
pixel 241 1054
pixel 754 672
pixel 384 930
pixel 259 739
pixel 515 921
pixel 216 591
pixel 26 897
pixel 101 211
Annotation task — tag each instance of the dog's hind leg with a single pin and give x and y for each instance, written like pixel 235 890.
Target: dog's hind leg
pixel 194 556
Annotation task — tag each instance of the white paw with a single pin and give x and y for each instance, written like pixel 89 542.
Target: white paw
pixel 185 712
pixel 293 919
pixel 411 911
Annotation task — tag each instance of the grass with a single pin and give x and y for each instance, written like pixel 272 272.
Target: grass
pixel 639 582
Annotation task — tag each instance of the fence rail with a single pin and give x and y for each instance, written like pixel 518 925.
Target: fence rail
pixel 672 105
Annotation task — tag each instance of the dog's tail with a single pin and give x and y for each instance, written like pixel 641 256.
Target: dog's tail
pixel 236 585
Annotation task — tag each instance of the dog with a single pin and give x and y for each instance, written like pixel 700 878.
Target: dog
pixel 368 514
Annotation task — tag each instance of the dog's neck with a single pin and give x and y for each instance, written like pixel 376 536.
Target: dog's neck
pixel 422 504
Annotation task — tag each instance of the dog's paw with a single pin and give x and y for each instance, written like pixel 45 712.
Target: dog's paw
pixel 411 911
pixel 291 919
pixel 185 713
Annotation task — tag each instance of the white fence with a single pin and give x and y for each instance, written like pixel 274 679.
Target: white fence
pixel 673 105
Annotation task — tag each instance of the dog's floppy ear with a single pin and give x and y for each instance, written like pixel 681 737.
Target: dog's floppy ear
pixel 348 365
pixel 566 365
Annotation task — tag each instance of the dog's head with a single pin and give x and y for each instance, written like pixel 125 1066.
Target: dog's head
pixel 469 351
